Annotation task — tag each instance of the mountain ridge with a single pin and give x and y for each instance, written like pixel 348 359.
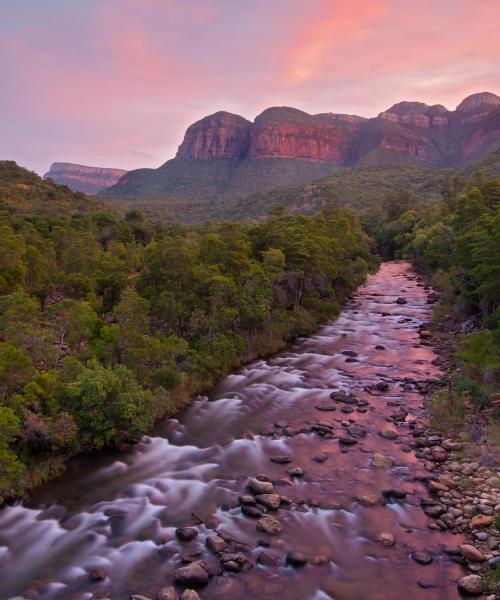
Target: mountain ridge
pixel 83 178
pixel 225 155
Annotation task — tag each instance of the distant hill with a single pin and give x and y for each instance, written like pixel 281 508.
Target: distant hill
pixel 26 192
pixel 224 157
pixel 81 178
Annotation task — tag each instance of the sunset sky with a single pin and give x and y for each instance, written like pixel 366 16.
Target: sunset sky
pixel 116 82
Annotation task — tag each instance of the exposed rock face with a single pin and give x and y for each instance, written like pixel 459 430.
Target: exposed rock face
pixel 284 146
pixel 406 129
pixel 221 135
pixel 81 178
pixel 485 101
pixel 291 133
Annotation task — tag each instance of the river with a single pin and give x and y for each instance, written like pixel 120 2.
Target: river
pixel 115 516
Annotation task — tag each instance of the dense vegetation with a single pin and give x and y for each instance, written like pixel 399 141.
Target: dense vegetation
pixel 107 323
pixel 458 242
pixel 200 189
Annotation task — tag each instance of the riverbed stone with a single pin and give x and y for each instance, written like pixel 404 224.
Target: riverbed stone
pixel 369 500
pixel 167 593
pixel 269 525
pixel 481 522
pixel 251 511
pixel 471 585
pixel 193 574
pixel 190 595
pixel 381 461
pixel 281 459
pixel 296 559
pixel 260 487
pixel 422 558
pixel 386 538
pixel 215 544
pixel 268 559
pixel 186 534
pixel 470 552
pixel 270 501
pixel 388 434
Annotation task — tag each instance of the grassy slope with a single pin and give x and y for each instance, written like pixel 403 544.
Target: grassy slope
pixel 361 187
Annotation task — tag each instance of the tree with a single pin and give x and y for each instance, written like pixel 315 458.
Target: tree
pixel 108 405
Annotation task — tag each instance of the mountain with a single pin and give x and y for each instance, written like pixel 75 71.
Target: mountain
pixel 81 178
pixel 225 156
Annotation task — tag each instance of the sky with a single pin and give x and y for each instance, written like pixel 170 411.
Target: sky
pixel 115 83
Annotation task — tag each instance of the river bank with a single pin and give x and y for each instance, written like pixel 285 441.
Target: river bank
pixel 301 475
pixel 465 480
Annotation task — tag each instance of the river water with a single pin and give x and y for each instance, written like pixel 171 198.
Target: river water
pixel 119 513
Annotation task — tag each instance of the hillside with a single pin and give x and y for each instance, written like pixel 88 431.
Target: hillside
pixel 26 192
pixel 361 187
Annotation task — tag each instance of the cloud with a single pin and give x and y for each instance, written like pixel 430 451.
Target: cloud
pixel 88 81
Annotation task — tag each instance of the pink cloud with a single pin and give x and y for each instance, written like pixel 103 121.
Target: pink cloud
pixel 111 83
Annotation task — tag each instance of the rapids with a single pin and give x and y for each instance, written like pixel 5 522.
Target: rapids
pixel 119 512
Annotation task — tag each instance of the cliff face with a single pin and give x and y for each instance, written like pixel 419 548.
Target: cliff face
pixel 81 178
pixel 225 153
pixel 290 133
pixel 415 131
pixel 221 135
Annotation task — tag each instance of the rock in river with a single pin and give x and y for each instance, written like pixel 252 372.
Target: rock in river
pixel 186 534
pixel 269 525
pixel 167 593
pixel 422 558
pixel 471 585
pixel 281 459
pixel 260 487
pixel 193 574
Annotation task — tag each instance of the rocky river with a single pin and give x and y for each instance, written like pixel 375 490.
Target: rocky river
pixel 296 478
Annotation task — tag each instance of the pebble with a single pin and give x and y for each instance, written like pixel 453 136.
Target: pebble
pixel 296 559
pixel 381 461
pixel 422 558
pixel 386 538
pixel 167 593
pixel 190 595
pixel 186 534
pixel 281 459
pixel 388 434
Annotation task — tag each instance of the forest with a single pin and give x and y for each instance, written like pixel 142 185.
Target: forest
pixel 109 322
pixel 457 243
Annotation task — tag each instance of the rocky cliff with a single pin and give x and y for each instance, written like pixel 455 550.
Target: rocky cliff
pixel 81 178
pixel 221 135
pixel 225 153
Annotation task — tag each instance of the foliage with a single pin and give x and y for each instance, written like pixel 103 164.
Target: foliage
pixel 458 242
pixel 106 323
